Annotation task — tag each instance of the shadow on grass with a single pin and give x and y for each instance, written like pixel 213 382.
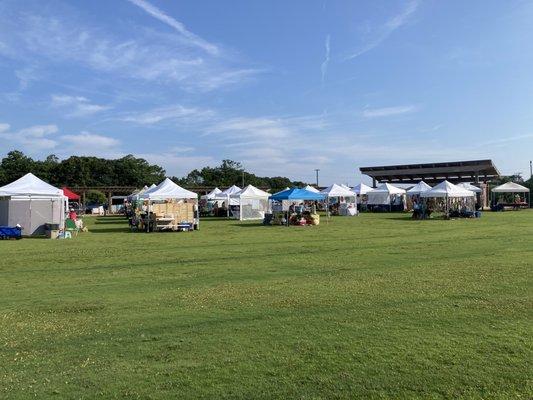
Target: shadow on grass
pixel 248 225
pixel 124 229
pixel 110 222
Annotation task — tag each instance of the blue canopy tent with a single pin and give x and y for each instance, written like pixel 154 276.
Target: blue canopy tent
pixel 296 194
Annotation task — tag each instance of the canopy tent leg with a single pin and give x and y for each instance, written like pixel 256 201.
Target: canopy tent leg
pixel 197 215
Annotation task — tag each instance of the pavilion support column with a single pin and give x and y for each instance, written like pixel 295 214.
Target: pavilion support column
pixel 109 201
pixel 374 183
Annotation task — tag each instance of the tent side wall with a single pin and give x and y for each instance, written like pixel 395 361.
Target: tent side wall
pixel 378 199
pixel 33 215
pixel 19 213
pixel 4 212
pixel 251 209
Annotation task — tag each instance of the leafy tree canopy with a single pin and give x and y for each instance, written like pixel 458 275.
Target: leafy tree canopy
pixel 82 171
pixel 232 173
pixel 128 171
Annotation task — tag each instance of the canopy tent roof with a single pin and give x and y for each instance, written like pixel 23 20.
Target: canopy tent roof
pixel 420 187
pixel 147 190
pixel 469 186
pixel 312 189
pixel 212 194
pixel 388 188
pixel 70 194
pixel 510 187
pixel 297 194
pixel 337 191
pixel 168 190
pixel 137 191
pixel 30 185
pixel 361 189
pixel 229 191
pixel 281 191
pixel 251 192
pixel 447 189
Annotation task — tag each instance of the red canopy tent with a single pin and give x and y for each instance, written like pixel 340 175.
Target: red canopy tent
pixel 70 194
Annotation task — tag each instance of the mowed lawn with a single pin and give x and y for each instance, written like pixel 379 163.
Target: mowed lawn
pixel 372 307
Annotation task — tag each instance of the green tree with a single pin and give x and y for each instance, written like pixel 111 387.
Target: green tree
pixel 47 169
pixel 132 171
pixel 15 165
pixel 95 196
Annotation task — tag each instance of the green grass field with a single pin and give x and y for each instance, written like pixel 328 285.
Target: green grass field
pixel 372 307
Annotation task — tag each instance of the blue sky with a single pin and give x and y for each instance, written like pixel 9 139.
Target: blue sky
pixel 282 86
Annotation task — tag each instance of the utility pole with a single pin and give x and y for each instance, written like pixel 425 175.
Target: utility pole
pixel 243 178
pixel 531 169
pixel 316 170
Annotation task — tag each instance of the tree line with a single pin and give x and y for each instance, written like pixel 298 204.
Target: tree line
pixel 137 172
pixel 127 171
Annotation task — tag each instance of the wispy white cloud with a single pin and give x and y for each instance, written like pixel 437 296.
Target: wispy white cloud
pixel 4 127
pixel 87 140
pixel 177 25
pixel 79 106
pixel 258 128
pixel 325 63
pixel 26 75
pixel 173 113
pixel 388 111
pixel 382 32
pixel 181 149
pixel 32 139
pixel 148 55
pixel 506 140
pixel 38 131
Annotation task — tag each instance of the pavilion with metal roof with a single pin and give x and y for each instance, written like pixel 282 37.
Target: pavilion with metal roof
pixel 457 171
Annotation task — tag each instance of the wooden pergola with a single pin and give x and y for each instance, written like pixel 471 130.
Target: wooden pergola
pixel 111 191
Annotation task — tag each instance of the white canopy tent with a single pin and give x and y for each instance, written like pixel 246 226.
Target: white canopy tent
pixel 469 186
pixel 419 188
pixel 168 190
pixel 212 194
pixel 137 194
pixel 385 194
pixel 312 189
pixel 512 187
pixel 31 203
pixel 448 190
pixel 253 203
pixel 225 196
pixel 337 191
pixel 344 192
pixel 361 189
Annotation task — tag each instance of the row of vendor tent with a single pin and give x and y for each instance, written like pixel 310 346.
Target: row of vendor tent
pixel 31 203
